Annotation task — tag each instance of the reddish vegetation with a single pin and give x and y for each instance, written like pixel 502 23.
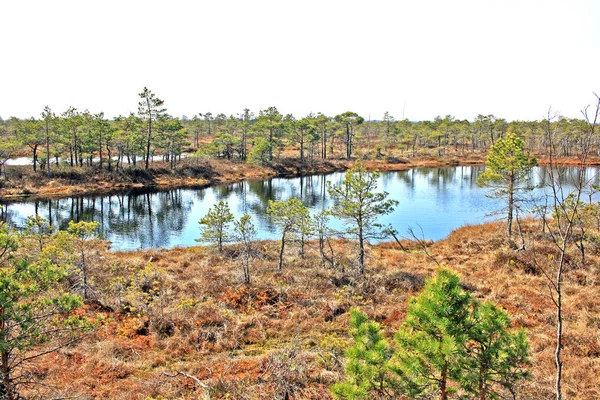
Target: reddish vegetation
pixel 286 333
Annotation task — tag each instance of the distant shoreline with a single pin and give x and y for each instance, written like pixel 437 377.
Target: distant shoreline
pixel 23 183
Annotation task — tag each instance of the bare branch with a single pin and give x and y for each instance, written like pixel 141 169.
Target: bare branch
pixel 422 243
pixel 198 381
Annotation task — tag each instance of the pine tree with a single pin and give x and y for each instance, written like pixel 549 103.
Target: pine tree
pixel 291 216
pixel 448 343
pixel 507 166
pixel 215 225
pixel 34 314
pixel 151 110
pixel 496 358
pixel 245 232
pixel 432 338
pixel 83 239
pixel 368 370
pixel 359 205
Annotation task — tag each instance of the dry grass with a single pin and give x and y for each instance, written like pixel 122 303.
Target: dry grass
pixel 284 334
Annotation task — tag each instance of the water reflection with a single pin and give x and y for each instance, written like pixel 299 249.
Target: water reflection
pixel 437 199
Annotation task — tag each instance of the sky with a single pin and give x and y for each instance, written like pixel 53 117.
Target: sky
pixel 515 59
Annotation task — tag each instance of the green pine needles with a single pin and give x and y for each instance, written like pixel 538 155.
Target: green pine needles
pixel 215 225
pixel 370 369
pixel 359 205
pixel 506 167
pixel 448 344
pixel 35 311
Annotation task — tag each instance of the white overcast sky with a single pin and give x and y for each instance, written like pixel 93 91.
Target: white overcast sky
pixel 510 58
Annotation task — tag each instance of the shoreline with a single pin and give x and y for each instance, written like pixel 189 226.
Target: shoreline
pixel 90 182
pixel 27 185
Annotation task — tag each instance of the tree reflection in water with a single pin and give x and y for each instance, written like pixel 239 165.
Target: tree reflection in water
pixel 438 199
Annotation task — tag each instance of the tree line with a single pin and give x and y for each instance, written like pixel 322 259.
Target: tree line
pixel 79 138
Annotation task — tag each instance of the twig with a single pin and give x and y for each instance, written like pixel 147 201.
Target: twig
pixel 392 232
pixel 421 243
pixel 198 381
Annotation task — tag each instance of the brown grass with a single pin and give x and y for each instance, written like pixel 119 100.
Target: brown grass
pixel 285 334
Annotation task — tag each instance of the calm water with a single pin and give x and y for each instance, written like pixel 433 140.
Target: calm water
pixel 436 200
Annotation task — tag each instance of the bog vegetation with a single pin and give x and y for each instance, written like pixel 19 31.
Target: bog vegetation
pixel 319 313
pixel 62 143
pixel 192 323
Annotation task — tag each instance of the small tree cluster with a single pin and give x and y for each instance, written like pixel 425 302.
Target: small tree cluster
pixel 294 221
pixel 290 216
pixel 141 292
pixel 215 227
pixel 449 342
pixel 71 248
pixel 356 203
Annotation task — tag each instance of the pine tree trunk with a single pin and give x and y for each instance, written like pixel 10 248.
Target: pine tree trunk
pixel 270 144
pixel 280 267
pixel 361 243
pixel 348 142
pixel 511 203
pixel 6 389
pixel 100 150
pixel 35 158
pixel 48 150
pixel 84 274
pixel 247 263
pixel 443 381
pixel 559 326
pixel 482 388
